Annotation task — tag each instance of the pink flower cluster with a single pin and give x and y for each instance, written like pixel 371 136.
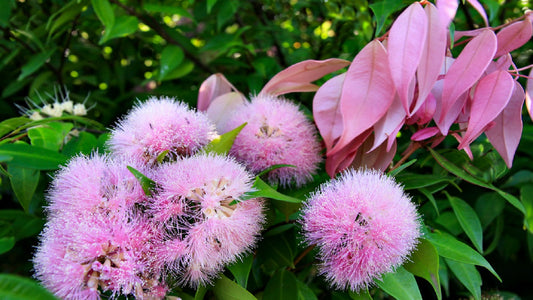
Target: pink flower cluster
pixel 363 225
pixel 105 235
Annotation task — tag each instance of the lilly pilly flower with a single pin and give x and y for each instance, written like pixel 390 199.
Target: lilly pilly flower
pixel 207 226
pixel 160 125
pixel 276 133
pixel 363 225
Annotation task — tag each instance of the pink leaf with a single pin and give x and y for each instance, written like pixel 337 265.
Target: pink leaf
pixel 466 70
pixel 507 130
pixel 326 110
pixel 513 37
pixel 469 33
pixel 477 6
pixel 298 77
pixel 447 10
pixel 503 63
pixel 389 122
pixel 426 111
pixel 446 121
pixel 432 56
pixel 529 94
pixel 490 97
pixel 379 158
pixel 425 133
pixel 467 149
pixel 367 93
pixel 222 107
pixel 343 158
pixel 405 44
pixel 214 86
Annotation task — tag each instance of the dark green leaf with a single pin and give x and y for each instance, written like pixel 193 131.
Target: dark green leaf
pixel 469 221
pixel 430 197
pixel 424 262
pixel 304 292
pixel 147 184
pixel 412 181
pixel 449 221
pixel 467 275
pixel 171 58
pixel 361 295
pixel 396 171
pixel 5 12
pixel 262 189
pixel 488 207
pixel 167 9
pixel 228 8
pixel 222 144
pixel 124 25
pixel 11 124
pixel 279 229
pixel 6 244
pixel 451 248
pixel 226 289
pixel 277 251
pixel 200 292
pixel 28 156
pixel 241 269
pixel 84 143
pixel 104 11
pixel 24 183
pixel 183 69
pixel 382 10
pixel 210 4
pixel 14 287
pixel 400 284
pixel 518 179
pixel 35 63
pixel 526 195
pixel 282 286
pixel 71 11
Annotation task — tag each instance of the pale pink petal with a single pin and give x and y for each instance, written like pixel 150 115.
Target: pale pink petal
pixel 221 108
pixel 214 86
pixel 326 110
pixel 447 10
pixel 468 33
pixel 386 126
pixel 426 111
pixel 477 6
pixel 467 149
pixel 298 77
pixel 378 158
pixel 465 71
pixel 447 120
pixel 405 45
pixel 529 94
pixel 392 137
pixel 513 37
pixel 503 63
pixel 432 56
pixel 490 97
pixel 507 130
pixel 367 92
pixel 343 158
pixel 425 133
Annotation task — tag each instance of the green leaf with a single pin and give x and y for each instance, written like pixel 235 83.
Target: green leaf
pixel 22 225
pixel 35 62
pixel 104 12
pixel 274 167
pixel 467 275
pixel 227 10
pixel 431 199
pixel 411 181
pixel 210 4
pixel 241 269
pixel 124 26
pixel 222 144
pixel 14 287
pixel 400 285
pixel 11 124
pixel 451 248
pixel 84 143
pixel 24 183
pixel 262 189
pixel 147 184
pixel 6 244
pixel 383 9
pixel 361 295
pixel 50 136
pixel 68 14
pixel 469 221
pixel 200 292
pixel 166 9
pixel 28 156
pixel 488 207
pixel 526 195
pixel 161 157
pixel 396 171
pixel 5 12
pixel 171 58
pixel 183 69
pixel 304 292
pixel 226 289
pixel 457 171
pixel 282 286
pixel 424 262
pixel 277 251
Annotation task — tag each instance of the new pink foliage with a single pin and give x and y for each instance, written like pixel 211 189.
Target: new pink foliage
pixel 277 133
pixel 158 125
pixel 363 224
pixel 208 230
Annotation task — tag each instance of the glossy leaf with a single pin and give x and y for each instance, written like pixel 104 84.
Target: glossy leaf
pixel 147 184
pixel 467 275
pixel 35 63
pixel 241 269
pixel 226 289
pixel 477 6
pixel 6 244
pixel 24 155
pixel 298 77
pixel 282 286
pixel 262 189
pixel 11 124
pixel 513 36
pixel 506 132
pixel 488 207
pixel 123 26
pixel 104 11
pixel 424 262
pixel 451 248
pixel 367 93
pixel 20 288
pixel 213 87
pixel 171 58
pixel 326 110
pixel 469 221
pixel 84 143
pixel 466 70
pixel 405 45
pixel 400 285
pixel 412 181
pixel 383 9
pixel 24 183
pixel 50 136
pixel 490 97
pixel 222 144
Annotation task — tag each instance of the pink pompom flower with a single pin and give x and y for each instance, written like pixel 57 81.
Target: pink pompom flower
pixel 363 224
pixel 158 125
pixel 207 225
pixel 277 133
